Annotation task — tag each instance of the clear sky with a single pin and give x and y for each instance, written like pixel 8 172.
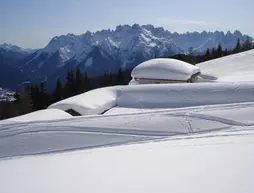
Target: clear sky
pixel 32 23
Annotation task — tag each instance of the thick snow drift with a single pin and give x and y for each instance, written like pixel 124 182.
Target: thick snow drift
pixel 157 96
pixel 233 68
pixel 163 68
pixel 94 102
pixel 47 114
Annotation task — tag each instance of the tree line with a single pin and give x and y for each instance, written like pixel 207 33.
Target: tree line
pixel 35 97
pixel 214 53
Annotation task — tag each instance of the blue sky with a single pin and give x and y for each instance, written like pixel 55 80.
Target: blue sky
pixel 32 23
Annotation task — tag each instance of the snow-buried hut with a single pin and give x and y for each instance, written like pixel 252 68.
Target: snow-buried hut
pixel 164 70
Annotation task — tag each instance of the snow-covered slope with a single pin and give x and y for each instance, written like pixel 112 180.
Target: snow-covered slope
pixel 37 137
pixel 233 68
pixel 221 163
pixel 149 161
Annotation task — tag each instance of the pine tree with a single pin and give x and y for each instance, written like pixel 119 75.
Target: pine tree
pixel 213 53
pixel 207 55
pixel 58 92
pixel 78 85
pixel 237 48
pixel 86 83
pixel 35 96
pixel 120 77
pixel 247 45
pixel 25 105
pixel 104 80
pixel 17 96
pixel 43 96
pixel 70 84
pixel 219 51
pixel 110 80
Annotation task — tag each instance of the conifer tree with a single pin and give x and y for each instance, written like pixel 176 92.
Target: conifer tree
pixel 219 51
pixel 25 104
pixel 207 54
pixel 86 83
pixel 104 80
pixel 17 96
pixel 70 84
pixel 213 53
pixel 78 85
pixel 58 92
pixel 247 45
pixel 120 77
pixel 237 48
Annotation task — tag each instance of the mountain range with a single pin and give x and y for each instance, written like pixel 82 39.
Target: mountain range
pixel 104 51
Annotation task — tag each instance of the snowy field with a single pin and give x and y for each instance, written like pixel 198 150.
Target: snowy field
pixel 182 138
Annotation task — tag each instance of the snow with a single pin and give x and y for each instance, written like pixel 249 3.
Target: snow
pixel 55 136
pixel 220 162
pixel 233 68
pixel 13 48
pixel 41 115
pixel 167 96
pixel 65 54
pixel 162 68
pixel 94 102
pixel 89 62
pixel 178 138
pixel 122 42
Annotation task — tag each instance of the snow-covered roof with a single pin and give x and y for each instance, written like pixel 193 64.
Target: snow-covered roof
pixel 164 68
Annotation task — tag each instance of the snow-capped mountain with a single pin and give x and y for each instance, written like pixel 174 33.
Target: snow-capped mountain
pixel 10 58
pixel 124 45
pixel 13 48
pixel 106 51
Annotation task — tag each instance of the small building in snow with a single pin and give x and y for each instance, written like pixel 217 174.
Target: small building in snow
pixel 164 70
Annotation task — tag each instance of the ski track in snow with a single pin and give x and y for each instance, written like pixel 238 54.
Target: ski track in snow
pixel 42 137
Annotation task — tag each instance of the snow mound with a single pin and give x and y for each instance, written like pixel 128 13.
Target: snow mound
pixel 162 68
pixel 156 97
pixel 183 95
pixel 42 115
pixel 233 68
pixel 93 102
